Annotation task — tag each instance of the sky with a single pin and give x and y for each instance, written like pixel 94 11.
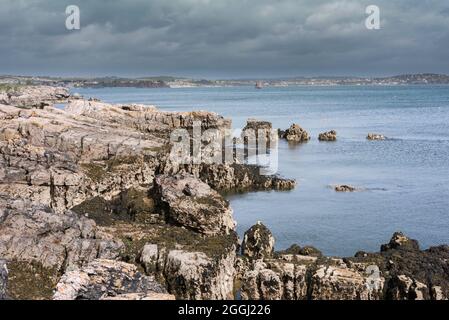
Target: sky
pixel 223 38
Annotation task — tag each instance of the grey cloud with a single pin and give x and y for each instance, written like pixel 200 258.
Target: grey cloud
pixel 232 38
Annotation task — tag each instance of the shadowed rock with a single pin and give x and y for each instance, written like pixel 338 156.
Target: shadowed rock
pixel 3 279
pixel 258 242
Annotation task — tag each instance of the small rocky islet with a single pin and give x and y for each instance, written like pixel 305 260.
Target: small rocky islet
pixel 91 207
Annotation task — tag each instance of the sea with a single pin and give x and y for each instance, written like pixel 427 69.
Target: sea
pixel 404 179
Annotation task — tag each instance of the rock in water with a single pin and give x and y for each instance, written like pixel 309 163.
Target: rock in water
pixel 3 279
pixel 328 136
pixel 295 134
pixel 400 241
pixel 375 136
pixel 102 279
pixel 191 203
pixel 258 242
pixel 345 188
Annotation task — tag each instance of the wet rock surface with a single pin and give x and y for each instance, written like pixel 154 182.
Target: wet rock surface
pixel 345 188
pixel 375 136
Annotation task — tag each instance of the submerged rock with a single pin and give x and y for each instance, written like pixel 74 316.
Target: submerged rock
pixel 193 204
pixel 328 136
pixel 375 136
pixel 102 279
pixel 345 188
pixel 295 134
pixel 258 242
pixel 3 279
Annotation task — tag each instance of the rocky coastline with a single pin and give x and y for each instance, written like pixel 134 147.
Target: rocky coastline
pixel 93 207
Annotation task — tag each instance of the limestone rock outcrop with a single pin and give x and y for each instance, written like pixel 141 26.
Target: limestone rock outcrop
pixel 34 96
pixel 190 274
pixel 258 242
pixel 401 271
pixel 36 234
pixel 105 279
pixel 193 204
pixel 295 134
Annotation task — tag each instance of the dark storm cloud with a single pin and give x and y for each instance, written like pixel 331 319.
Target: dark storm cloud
pixel 223 37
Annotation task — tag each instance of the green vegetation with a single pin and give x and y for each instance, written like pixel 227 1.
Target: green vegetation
pixel 31 281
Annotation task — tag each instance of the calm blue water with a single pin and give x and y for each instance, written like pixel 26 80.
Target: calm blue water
pixel 407 178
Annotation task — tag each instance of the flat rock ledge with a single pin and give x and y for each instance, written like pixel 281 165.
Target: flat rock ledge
pixel 107 279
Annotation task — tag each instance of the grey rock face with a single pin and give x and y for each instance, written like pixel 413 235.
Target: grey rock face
pixel 3 279
pixel 57 241
pixel 191 203
pixel 34 96
pixel 192 275
pixel 102 279
pixel 258 242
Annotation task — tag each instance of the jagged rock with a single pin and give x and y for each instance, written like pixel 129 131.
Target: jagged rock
pixel 102 279
pixel 3 279
pixel 194 204
pixel 275 280
pixel 399 240
pixel 342 283
pixel 191 275
pixel 405 288
pixel 345 188
pixel 57 241
pixel 295 134
pixel 258 242
pixel 375 136
pixel 328 136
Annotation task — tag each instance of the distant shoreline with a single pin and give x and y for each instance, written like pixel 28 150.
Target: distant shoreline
pixel 179 82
